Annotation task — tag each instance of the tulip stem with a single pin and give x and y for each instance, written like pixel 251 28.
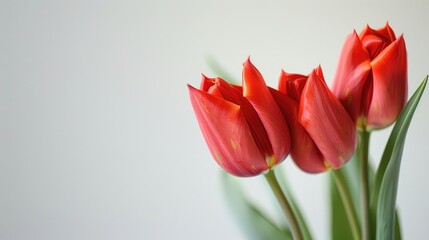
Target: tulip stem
pixel 285 205
pixel 348 203
pixel 363 157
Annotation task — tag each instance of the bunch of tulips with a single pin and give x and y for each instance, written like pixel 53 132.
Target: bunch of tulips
pixel 252 128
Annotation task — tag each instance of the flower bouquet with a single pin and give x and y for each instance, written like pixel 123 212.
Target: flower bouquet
pixel 251 128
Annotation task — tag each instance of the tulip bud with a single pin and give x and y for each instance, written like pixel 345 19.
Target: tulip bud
pixel 371 77
pixel 323 135
pixel 243 126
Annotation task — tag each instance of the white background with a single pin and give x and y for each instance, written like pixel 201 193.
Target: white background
pixel 97 136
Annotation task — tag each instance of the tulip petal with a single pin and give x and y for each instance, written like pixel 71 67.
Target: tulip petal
pixel 258 94
pixel 287 105
pixel 388 31
pixel 292 84
pixel 303 150
pixel 257 129
pixel 336 140
pixel 227 134
pixel 350 83
pixel 385 33
pixel 219 87
pixel 389 70
pixel 375 41
pixel 305 153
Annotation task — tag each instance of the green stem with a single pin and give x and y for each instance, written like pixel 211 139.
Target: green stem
pixel 348 203
pixel 285 205
pixel 363 157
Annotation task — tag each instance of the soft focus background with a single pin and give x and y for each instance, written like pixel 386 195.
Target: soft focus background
pixel 97 136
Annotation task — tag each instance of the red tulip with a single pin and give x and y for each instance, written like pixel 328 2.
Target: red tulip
pixel 243 126
pixel 323 135
pixel 371 77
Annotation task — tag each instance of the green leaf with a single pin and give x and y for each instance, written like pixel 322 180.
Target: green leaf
pixel 340 228
pixel 398 235
pixel 255 224
pixel 386 182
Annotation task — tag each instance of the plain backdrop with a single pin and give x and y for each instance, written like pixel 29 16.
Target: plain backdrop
pixel 97 136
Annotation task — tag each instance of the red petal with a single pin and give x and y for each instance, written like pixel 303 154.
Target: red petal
pixel 305 153
pixel 389 85
pixel 292 84
pixel 258 94
pixel 257 129
pixel 287 105
pixel 350 83
pixel 206 83
pixel 227 134
pixel 375 41
pixel 386 33
pixel 327 122
pixel 303 150
pixel 221 88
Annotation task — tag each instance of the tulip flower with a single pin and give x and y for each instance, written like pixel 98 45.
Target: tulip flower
pixel 323 135
pixel 371 77
pixel 243 127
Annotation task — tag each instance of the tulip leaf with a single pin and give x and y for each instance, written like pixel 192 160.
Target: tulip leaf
pixel 386 182
pixel 398 235
pixel 255 224
pixel 340 227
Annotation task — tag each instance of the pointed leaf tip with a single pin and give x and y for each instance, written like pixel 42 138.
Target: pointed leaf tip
pixel 383 204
